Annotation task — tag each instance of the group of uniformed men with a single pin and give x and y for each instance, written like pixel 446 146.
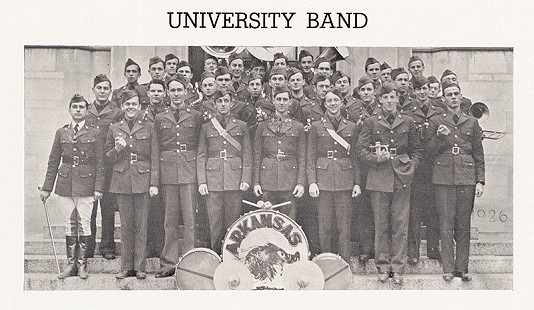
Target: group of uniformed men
pixel 397 151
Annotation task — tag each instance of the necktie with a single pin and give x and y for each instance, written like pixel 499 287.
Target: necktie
pixel 236 85
pixel 455 118
pixel 130 124
pixel 177 115
pixel 424 108
pixel 76 129
pixel 390 119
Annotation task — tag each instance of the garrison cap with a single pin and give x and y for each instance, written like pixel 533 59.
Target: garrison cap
pixel 218 94
pixel 386 88
pixel 278 56
pixel 128 94
pixel 319 78
pixel 448 84
pixel 336 92
pixel 178 78
pixel 278 70
pixel 432 79
pixel 171 56
pixel 235 56
pixel 77 98
pixel 130 62
pixel 183 63
pixel 280 89
pixel 254 76
pixel 101 78
pixel 320 60
pixel 447 72
pixel 304 53
pixel 292 71
pixel 419 81
pixel 397 71
pixel 337 75
pixel 414 58
pixel 205 75
pixel 384 66
pixel 370 61
pixel 364 80
pixel 155 60
pixel 257 63
pixel 221 71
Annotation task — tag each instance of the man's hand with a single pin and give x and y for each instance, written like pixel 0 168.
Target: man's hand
pixel 298 191
pixel 98 195
pixel 356 190
pixel 257 190
pixel 383 156
pixel 120 144
pixel 479 189
pixel 153 191
pixel 443 130
pixel 203 189
pixel 314 190
pixel 244 186
pixel 44 195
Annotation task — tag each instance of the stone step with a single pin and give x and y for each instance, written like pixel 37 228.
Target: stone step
pixel 44 282
pixel 35 245
pixel 484 264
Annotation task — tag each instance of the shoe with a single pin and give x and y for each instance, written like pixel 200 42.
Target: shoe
pixel 448 277
pixel 383 276
pixel 165 274
pixel 413 261
pixel 364 258
pixel 466 277
pixel 109 256
pixel 71 270
pixel 82 257
pixel 397 278
pixel 140 275
pixel 125 274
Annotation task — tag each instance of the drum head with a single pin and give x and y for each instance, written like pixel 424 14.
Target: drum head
pixel 303 275
pixel 232 275
pixel 266 241
pixel 337 273
pixel 196 269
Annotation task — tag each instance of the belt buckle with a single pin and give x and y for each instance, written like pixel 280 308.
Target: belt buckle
pixel 280 154
pixel 455 150
pixel 330 154
pixel 393 151
pixel 222 154
pixel 183 147
pixel 133 158
pixel 75 160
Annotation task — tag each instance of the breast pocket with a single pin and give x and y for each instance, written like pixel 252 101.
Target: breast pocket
pixel 142 143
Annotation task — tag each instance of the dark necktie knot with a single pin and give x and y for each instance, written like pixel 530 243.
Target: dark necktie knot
pixel 390 119
pixel 455 118
pixel 424 108
pixel 76 128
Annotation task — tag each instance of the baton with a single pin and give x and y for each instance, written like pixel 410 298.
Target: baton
pixel 272 207
pixel 51 236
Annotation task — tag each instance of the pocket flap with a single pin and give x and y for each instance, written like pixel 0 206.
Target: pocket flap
pixel 213 165
pixel 322 163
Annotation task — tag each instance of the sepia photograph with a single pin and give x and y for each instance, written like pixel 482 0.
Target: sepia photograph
pixel 197 167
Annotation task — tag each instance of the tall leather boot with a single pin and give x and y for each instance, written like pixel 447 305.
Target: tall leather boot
pixel 71 270
pixel 82 259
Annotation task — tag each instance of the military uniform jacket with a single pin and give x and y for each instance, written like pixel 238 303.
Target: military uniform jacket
pixel 219 164
pixel 280 155
pixel 358 111
pixel 108 116
pixel 178 142
pixel 311 110
pixel 458 157
pixel 328 163
pixel 242 90
pixel 136 167
pixel 149 114
pixel 81 172
pixel 403 136
pixel 141 91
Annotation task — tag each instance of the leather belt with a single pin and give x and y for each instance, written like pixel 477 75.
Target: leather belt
pixel 455 150
pixel 222 154
pixel 181 148
pixel 135 158
pixel 331 154
pixel 77 160
pixel 281 156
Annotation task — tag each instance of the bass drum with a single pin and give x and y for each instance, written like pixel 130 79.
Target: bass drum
pixel 337 273
pixel 196 269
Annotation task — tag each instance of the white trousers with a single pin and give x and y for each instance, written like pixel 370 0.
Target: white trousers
pixel 78 219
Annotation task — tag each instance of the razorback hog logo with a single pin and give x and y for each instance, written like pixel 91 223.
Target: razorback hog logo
pixel 263 259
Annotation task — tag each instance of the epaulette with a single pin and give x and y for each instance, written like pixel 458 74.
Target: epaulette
pixel 66 126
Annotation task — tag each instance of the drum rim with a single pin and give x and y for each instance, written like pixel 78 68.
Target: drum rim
pixel 226 235
pixel 194 250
